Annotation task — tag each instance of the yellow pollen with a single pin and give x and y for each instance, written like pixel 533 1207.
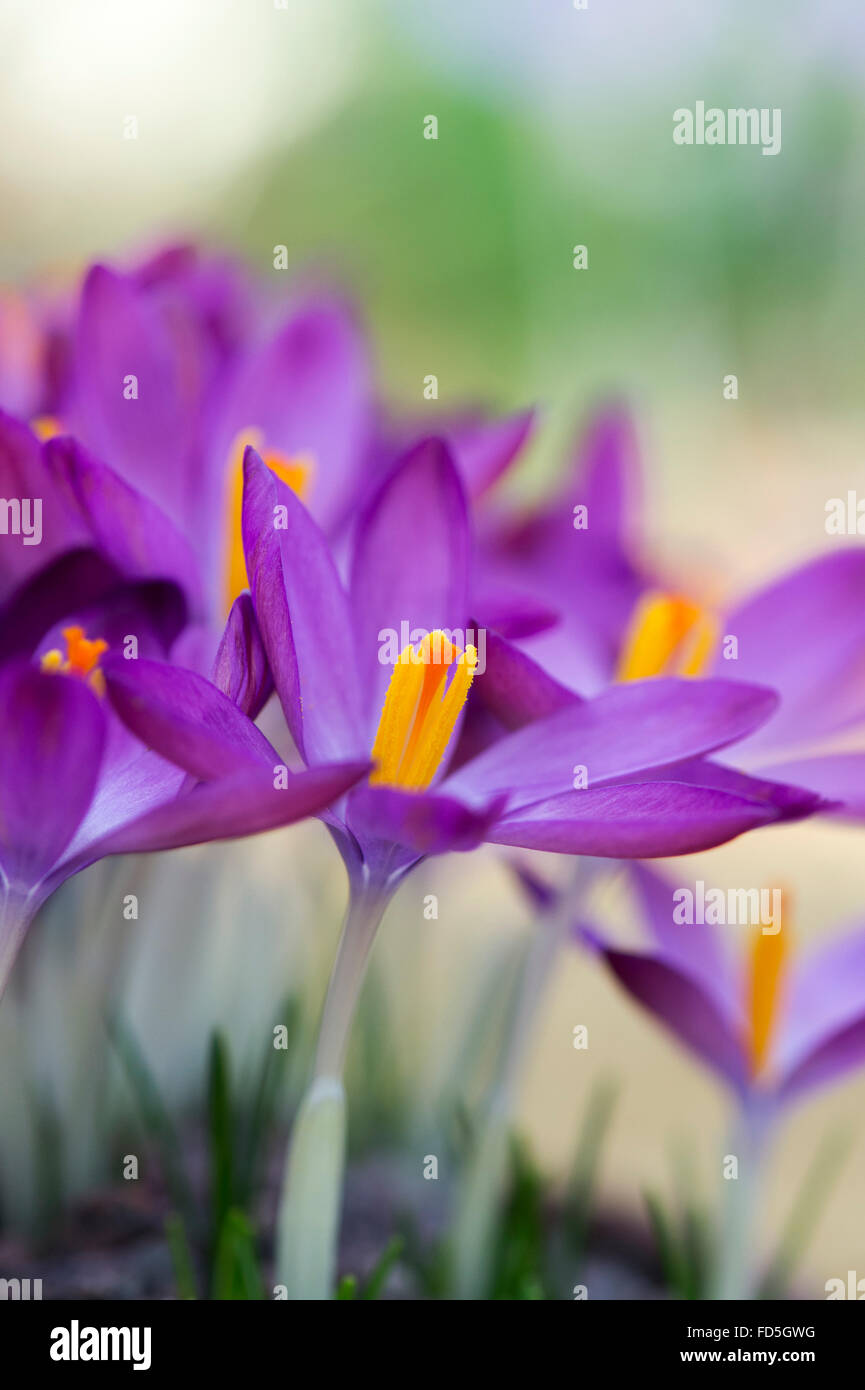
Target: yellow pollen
pixel 667 636
pixel 766 976
pixel 420 711
pixel 46 427
pixel 296 473
pixel 81 659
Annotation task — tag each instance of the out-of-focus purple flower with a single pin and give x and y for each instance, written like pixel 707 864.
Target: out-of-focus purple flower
pixel 175 368
pixel 774 1027
pixel 75 536
pixel 580 566
pixel 802 635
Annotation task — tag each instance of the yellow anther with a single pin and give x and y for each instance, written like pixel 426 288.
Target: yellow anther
pixel 765 981
pixel 81 659
pixel 46 427
pixel 428 688
pixel 296 473
pixel 667 636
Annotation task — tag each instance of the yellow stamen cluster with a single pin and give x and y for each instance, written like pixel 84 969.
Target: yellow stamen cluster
pixel 296 473
pixel 46 427
pixel 667 636
pixel 428 688
pixel 81 659
pixel 766 977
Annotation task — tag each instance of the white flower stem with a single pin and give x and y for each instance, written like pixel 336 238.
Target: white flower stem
pixel 15 918
pixel 736 1272
pixel 485 1178
pixel 309 1212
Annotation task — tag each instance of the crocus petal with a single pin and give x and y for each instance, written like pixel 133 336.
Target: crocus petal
pixel 788 800
pixel 550 555
pixel 23 476
pixel 119 521
pixel 52 737
pixel 516 689
pixel 244 803
pixel 632 820
pixel 842 1052
pixel 628 728
pixel 695 949
pixel 185 719
pixel 240 670
pixel 513 614
pixel 308 390
pixel 839 778
pixel 826 997
pixel 820 693
pixel 678 1002
pixel 147 437
pixel 304 619
pixel 484 449
pixel 424 822
pixel 73 582
pixel 410 562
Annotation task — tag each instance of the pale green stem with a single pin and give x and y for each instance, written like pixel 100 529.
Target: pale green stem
pixel 15 918
pixel 735 1275
pixel 309 1212
pixel 483 1184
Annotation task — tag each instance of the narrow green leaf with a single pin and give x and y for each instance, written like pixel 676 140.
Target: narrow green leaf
pixel 181 1257
pixel 375 1283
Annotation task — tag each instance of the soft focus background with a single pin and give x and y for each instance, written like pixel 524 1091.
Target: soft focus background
pixel 261 125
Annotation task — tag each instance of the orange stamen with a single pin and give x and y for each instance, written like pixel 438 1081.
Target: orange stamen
pixel 296 473
pixel 420 711
pixel 668 635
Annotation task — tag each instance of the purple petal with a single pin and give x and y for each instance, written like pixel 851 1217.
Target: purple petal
pixel 410 562
pixel 52 737
pixel 119 521
pixel 308 390
pixel 23 475
pixel 185 719
pixel 683 1007
pixel 633 820
pixel 627 729
pixel 514 688
pixel 244 803
pixel 148 439
pixel 694 949
pixel 826 689
pixel 484 449
pixel 839 778
pixel 303 614
pixel 424 822
pixel 240 670
pixel 837 1055
pixel 826 997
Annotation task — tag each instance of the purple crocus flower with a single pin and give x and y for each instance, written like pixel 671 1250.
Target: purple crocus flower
pixel 774 1028
pixel 803 634
pixel 76 786
pixel 175 369
pixel 350 690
